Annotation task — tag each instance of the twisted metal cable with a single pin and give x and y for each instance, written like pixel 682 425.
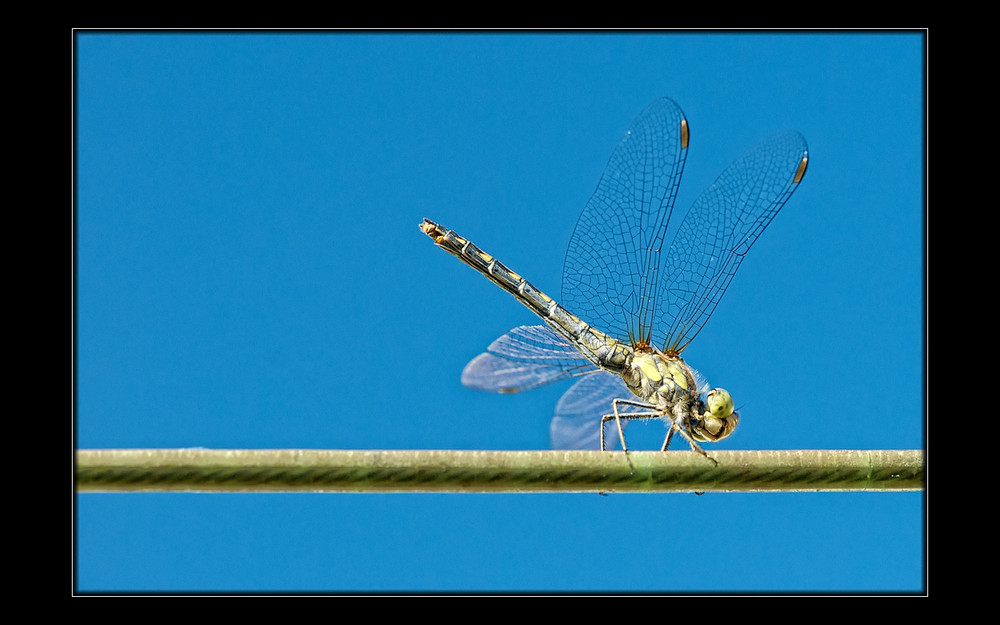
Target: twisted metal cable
pixel 295 470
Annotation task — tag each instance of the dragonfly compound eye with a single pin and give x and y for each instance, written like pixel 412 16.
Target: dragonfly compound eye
pixel 719 403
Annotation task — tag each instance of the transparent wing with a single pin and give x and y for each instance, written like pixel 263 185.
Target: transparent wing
pixel 718 231
pixel 610 272
pixel 577 421
pixel 525 358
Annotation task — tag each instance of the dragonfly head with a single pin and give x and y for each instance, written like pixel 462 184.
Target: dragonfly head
pixel 719 419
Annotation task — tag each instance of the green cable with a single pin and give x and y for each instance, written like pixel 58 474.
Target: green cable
pixel 304 470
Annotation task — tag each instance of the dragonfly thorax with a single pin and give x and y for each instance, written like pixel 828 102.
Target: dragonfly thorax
pixel 655 377
pixel 666 382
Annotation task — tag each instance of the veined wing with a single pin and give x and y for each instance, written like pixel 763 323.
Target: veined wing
pixel 577 421
pixel 718 231
pixel 610 275
pixel 525 358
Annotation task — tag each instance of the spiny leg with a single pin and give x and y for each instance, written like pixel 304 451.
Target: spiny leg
pixel 618 418
pixel 694 446
pixel 670 435
pixel 679 422
pixel 675 425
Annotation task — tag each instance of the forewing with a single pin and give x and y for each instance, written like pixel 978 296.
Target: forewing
pixel 610 271
pixel 719 230
pixel 524 358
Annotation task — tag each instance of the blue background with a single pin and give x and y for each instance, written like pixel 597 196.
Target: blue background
pixel 250 275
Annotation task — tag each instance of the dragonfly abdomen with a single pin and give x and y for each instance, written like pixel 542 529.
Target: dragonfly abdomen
pixel 598 347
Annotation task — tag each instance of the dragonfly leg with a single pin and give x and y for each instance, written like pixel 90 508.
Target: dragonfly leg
pixel 670 435
pixel 621 432
pixel 694 446
pixel 617 416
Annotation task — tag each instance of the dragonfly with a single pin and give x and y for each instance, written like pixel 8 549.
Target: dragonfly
pixel 636 302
